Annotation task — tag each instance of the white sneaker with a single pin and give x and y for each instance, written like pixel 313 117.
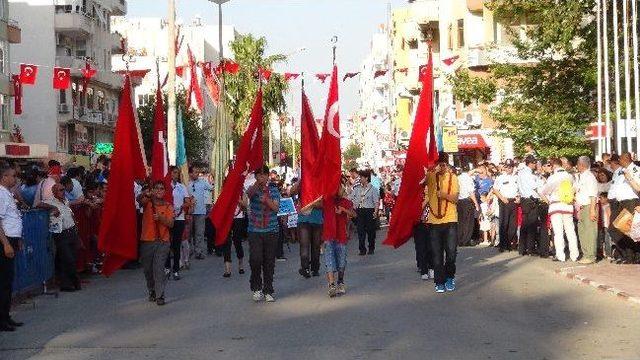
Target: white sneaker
pixel 425 277
pixel 432 275
pixel 258 296
pixel 269 298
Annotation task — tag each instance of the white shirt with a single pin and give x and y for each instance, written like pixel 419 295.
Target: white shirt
pixel 65 220
pixel 77 189
pixel 9 214
pixel 179 194
pixel 466 186
pixel 586 188
pixel 550 190
pixel 44 191
pixel 507 185
pixel 612 189
pixel 137 190
pixel 528 183
pixel 623 190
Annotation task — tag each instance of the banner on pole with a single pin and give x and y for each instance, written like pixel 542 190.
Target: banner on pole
pixel 450 139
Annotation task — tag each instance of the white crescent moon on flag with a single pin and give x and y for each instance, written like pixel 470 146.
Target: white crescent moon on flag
pixel 333 112
pixel 61 75
pixel 28 70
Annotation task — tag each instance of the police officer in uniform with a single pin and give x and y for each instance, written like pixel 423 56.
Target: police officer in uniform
pixel 529 185
pixel 506 189
pixel 625 188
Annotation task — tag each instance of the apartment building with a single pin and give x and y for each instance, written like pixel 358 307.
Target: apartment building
pixel 69 34
pixel 463 34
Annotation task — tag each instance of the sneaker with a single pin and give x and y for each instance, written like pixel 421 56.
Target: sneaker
pixel 315 273
pixel 332 291
pixel 440 288
pixel 176 276
pixel 258 296
pixel 342 289
pixel 585 261
pixel 160 301
pixel 152 297
pixel 269 298
pixel 431 273
pixel 167 273
pixel 425 277
pixel 304 273
pixel 281 259
pixel 450 285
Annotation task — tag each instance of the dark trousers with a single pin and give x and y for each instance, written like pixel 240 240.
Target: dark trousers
pixel 280 244
pixel 543 237
pixel 366 226
pixel 238 233
pixel 310 242
pixel 7 272
pixel 262 259
pixel 444 241
pixel 508 225
pixel 529 228
pixel 66 254
pixel 176 244
pixel 466 220
pixel 424 256
pixel 622 241
pixel 210 236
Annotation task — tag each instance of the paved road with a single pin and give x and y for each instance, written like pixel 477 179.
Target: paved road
pixel 506 307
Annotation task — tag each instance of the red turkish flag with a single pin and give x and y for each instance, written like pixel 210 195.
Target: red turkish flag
pixel 159 154
pixel 290 76
pixel 231 67
pixel 322 77
pixel 211 81
pixel 87 73
pixel 265 73
pixel 28 74
pixel 180 70
pixel 451 60
pixel 194 85
pixel 17 93
pixel 248 158
pixel 329 166
pixel 61 78
pixel 349 75
pixel 421 154
pixel 118 230
pixel 309 150
pixel 380 73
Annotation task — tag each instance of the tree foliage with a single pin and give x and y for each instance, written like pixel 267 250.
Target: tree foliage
pixel 550 100
pixel 249 53
pixel 195 139
pixel 469 88
pixel 350 156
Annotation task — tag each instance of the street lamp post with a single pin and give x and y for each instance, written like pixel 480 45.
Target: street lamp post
pixel 221 151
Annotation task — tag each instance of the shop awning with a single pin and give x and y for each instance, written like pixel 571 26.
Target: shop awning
pixel 23 151
pixel 470 141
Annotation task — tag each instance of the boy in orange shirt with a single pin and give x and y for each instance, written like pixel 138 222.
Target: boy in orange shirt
pixel 157 221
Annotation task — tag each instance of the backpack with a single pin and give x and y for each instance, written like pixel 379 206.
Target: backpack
pixel 566 193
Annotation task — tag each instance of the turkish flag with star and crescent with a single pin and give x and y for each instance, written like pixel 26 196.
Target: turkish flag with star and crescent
pixel 28 74
pixel 61 78
pixel 421 154
pixel 159 154
pixel 248 158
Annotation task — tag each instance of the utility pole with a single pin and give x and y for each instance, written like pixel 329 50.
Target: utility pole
pixel 171 63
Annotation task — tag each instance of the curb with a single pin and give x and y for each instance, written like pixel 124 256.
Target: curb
pixel 620 294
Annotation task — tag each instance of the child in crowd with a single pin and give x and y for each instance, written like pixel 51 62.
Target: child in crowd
pixel 494 214
pixel 486 220
pixel 605 218
pixel 335 250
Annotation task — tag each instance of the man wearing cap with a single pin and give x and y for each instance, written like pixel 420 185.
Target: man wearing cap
pixel 529 185
pixel 506 189
pixel 625 187
pixel 442 196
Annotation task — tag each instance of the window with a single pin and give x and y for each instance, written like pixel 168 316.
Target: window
pixel 4 57
pixel 140 100
pixel 89 98
pixel 460 33
pixel 450 38
pixel 100 100
pixel 63 97
pixel 4 112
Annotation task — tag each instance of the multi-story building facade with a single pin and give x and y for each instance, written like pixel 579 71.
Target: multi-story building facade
pixel 147 44
pixel 69 34
pixel 463 34
pixel 10 33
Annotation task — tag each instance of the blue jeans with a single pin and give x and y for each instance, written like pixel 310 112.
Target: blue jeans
pixel 335 256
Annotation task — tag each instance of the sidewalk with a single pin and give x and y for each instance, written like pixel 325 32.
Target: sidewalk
pixel 622 281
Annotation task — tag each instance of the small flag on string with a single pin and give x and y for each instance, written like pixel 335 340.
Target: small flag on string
pixel 451 60
pixel 28 74
pixel 61 78
pixel 265 73
pixel 349 76
pixel 380 73
pixel 290 76
pixel 322 77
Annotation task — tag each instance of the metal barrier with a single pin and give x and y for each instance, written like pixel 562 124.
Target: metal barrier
pixel 34 262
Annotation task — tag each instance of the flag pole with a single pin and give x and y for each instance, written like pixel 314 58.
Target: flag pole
pixel 616 73
pixel 171 63
pixel 627 74
pixel 599 82
pixel 636 81
pixel 607 94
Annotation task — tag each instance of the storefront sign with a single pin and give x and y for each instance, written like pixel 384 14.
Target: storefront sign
pixel 84 148
pixel 450 139
pixel 104 148
pixel 471 141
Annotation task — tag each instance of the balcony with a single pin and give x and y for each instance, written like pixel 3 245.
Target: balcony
pixel 116 44
pixel 14 33
pixel 478 58
pixel 73 23
pixel 475 5
pixel 425 11
pixel 108 79
pixel 118 7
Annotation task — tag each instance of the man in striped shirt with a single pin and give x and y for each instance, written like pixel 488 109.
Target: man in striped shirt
pixel 264 202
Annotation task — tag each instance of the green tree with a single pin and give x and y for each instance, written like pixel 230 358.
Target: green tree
pixel 350 155
pixel 195 140
pixel 551 100
pixel 249 53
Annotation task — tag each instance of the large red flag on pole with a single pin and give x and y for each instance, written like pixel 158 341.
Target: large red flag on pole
pixel 329 166
pixel 248 158
pixel 159 153
pixel 118 230
pixel 422 154
pixel 194 84
pixel 309 151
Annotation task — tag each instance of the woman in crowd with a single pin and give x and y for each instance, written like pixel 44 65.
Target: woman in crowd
pixel 335 254
pixel 365 199
pixel 237 236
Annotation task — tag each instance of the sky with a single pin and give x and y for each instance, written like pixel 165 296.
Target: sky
pixel 289 25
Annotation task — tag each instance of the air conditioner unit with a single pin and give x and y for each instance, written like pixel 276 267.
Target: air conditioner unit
pixel 472 119
pixel 63 108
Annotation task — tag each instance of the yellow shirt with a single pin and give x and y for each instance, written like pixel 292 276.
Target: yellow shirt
pixel 441 211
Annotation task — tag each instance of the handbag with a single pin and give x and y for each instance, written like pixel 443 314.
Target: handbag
pixel 623 221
